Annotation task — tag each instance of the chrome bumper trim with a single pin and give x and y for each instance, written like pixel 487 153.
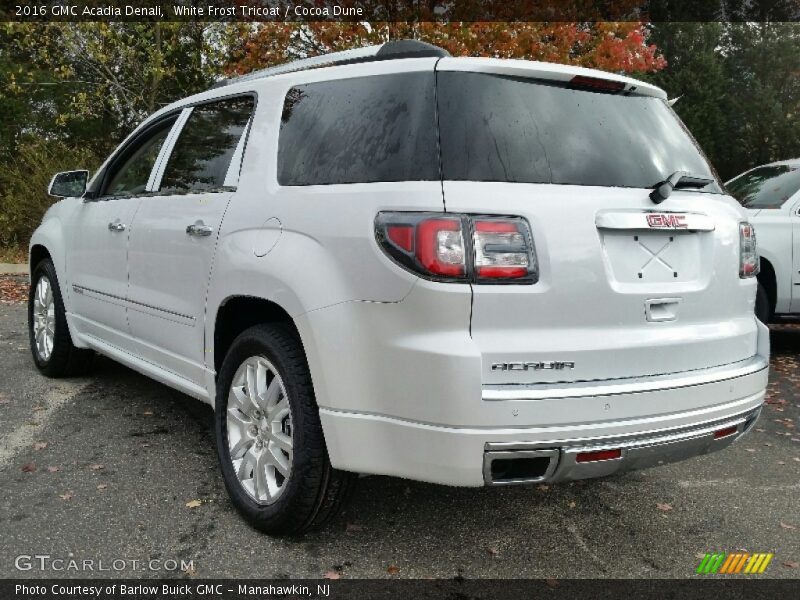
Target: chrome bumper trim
pixel 639 451
pixel 613 387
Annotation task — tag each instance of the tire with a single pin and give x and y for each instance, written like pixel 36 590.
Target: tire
pixel 314 491
pixel 59 358
pixel 763 309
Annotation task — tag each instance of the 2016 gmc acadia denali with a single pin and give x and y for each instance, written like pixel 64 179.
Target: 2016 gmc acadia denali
pixel 391 261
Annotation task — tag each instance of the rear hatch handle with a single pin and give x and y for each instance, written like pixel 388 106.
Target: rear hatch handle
pixel 679 179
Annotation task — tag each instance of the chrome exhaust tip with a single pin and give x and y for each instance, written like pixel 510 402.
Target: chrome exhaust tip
pixel 511 467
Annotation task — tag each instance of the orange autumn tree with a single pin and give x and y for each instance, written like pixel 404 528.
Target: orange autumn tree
pixel 610 46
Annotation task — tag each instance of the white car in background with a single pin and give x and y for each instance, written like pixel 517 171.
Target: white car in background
pixel 771 195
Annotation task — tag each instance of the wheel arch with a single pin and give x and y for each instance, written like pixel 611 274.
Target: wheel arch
pixel 38 252
pixel 768 279
pixel 235 314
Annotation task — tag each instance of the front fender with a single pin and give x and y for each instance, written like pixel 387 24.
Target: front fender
pixel 50 236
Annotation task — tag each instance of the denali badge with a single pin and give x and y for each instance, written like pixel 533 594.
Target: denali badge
pixel 666 221
pixel 533 366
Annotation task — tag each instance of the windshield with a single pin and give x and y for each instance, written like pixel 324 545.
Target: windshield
pixel 499 128
pixel 766 187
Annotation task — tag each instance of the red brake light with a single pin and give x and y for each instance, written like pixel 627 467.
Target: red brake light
pixel 402 235
pixel 596 84
pixel 749 261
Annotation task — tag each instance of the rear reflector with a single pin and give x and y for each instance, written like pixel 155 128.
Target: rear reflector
pixel 721 433
pixel 583 457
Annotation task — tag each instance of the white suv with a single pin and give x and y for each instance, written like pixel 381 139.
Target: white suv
pixel 771 195
pixel 457 270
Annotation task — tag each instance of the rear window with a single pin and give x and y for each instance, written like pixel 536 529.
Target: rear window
pixel 766 187
pixel 498 128
pixel 366 129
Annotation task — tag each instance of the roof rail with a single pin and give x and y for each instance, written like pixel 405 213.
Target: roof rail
pixel 387 51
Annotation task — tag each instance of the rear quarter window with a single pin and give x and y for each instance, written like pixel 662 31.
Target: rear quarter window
pixel 361 130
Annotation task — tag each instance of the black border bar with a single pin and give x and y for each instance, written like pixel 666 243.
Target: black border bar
pixel 744 587
pixel 399 10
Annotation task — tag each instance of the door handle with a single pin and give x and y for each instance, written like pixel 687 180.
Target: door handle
pixel 199 229
pixel 116 226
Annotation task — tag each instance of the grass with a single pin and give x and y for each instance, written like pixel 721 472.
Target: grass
pixel 13 254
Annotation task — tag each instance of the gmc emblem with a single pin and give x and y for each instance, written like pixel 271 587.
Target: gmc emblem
pixel 666 221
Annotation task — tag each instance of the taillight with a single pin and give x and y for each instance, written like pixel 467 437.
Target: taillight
pixel 462 248
pixel 748 251
pixel 503 249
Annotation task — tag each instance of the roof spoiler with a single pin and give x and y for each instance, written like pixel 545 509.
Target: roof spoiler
pixel 395 49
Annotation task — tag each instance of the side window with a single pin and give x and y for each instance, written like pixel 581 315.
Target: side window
pixel 766 187
pixel 366 129
pixel 129 177
pixel 202 156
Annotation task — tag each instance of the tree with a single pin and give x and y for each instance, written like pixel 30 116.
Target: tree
pixel 70 92
pixel 610 46
pixel 739 88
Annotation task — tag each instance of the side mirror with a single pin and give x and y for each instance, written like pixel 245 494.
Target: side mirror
pixel 68 184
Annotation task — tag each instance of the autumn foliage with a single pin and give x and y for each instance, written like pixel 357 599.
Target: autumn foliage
pixel 611 46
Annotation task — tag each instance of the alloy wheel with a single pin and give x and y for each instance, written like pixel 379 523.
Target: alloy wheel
pixel 44 318
pixel 259 426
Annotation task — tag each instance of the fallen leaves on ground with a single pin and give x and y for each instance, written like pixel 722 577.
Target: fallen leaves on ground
pixel 4 399
pixel 13 289
pixel 102 486
pixel 791 564
pixel 353 528
pixel 39 445
pixel 28 468
pixel 96 467
pixel 66 496
pixel 787 525
pixel 493 552
pixel 552 583
pixel 53 469
pixel 331 574
pixel 663 506
pixel 194 503
pixel 393 570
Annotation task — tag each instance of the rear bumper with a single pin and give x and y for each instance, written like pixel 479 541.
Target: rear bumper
pixel 702 403
pixel 638 451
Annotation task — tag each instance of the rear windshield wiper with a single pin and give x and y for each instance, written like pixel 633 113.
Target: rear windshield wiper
pixel 679 179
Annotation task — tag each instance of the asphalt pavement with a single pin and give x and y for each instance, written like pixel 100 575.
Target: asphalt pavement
pixel 102 469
